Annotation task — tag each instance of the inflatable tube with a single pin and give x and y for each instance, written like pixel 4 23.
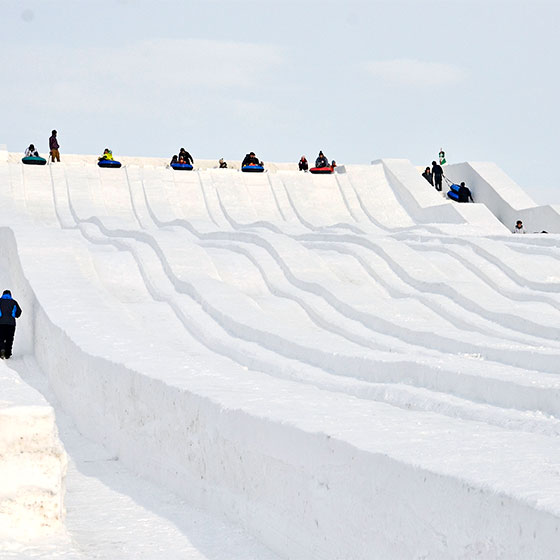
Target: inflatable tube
pixel 31 160
pixel 252 168
pixel 453 195
pixel 182 166
pixel 109 163
pixel 321 170
pixel 455 188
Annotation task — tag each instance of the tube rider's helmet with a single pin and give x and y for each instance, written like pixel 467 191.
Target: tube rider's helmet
pixel 31 147
pixel 6 293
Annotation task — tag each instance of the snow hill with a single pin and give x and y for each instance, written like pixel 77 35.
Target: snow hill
pixel 345 366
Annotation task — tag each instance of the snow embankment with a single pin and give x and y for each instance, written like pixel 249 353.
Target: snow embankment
pixel 504 198
pixel 32 462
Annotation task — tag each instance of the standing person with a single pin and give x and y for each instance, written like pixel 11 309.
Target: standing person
pixel 53 147
pixel 437 174
pixel 9 312
pixel 303 165
pixel 428 176
pixel 441 155
pixel 519 227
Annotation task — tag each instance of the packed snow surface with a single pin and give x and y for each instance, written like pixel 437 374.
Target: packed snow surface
pixel 286 365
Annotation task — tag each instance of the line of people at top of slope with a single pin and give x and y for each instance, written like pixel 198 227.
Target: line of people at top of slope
pixel 183 157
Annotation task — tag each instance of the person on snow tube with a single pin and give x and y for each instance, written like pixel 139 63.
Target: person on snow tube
pixel 31 151
pixel 185 157
pixel 250 159
pixel 321 160
pixel 107 155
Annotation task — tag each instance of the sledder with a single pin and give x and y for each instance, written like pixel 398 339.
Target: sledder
pixel 31 157
pixel 107 160
pixel 251 164
pixel 322 166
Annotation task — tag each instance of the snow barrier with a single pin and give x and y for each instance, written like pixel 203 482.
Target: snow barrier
pixel 32 462
pixel 301 489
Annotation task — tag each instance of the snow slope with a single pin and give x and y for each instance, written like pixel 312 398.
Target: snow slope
pixel 347 366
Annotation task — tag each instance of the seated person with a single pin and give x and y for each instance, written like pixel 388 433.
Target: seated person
pixel 31 151
pixel 185 157
pixel 428 176
pixel 107 155
pixel 519 227
pixel 333 164
pixel 223 164
pixel 174 159
pixel 303 165
pixel 250 159
pixel 321 160
pixel 464 193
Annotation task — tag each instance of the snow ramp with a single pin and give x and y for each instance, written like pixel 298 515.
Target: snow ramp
pixel 504 198
pixel 347 366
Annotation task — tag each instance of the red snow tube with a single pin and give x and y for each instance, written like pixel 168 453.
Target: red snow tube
pixel 321 170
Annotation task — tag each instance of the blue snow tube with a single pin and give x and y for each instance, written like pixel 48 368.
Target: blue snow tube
pixel 109 163
pixel 182 166
pixel 32 160
pixel 453 193
pixel 252 169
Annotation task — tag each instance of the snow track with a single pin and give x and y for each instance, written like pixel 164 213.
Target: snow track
pixel 339 364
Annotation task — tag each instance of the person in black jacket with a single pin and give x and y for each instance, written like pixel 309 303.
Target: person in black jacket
pixel 9 312
pixel 185 157
pixel 321 160
pixel 250 159
pixel 428 176
pixel 437 173
pixel 464 193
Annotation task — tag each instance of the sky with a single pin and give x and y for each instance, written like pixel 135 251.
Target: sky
pixel 360 80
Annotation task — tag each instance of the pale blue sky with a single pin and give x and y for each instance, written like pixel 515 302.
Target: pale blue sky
pixel 358 80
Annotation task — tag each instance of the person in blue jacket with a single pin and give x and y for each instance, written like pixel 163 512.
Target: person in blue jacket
pixel 9 312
